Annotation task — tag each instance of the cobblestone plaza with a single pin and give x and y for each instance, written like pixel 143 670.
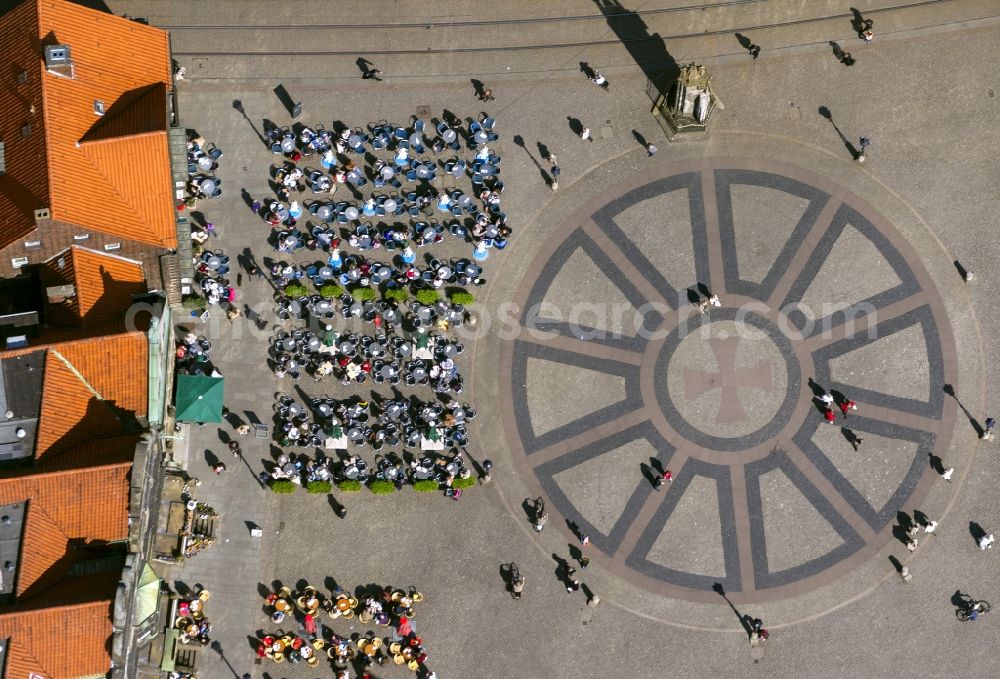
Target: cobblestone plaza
pixel 592 368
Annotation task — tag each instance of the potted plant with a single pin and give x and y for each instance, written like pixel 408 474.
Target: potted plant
pixel 461 297
pixel 396 295
pixel 362 293
pixel 283 486
pixel 349 485
pixel 425 486
pixel 318 487
pixel 194 302
pixel 331 291
pixel 426 296
pixel 295 290
pixel 382 487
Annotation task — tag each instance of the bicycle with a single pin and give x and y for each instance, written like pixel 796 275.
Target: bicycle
pixel 973 610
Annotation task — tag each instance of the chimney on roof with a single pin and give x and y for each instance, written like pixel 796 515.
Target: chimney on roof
pixel 60 293
pixel 58 61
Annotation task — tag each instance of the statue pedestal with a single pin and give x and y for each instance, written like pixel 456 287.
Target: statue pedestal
pixel 689 109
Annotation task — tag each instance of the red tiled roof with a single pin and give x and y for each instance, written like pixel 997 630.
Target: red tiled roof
pixel 88 505
pixel 71 414
pixel 111 175
pixel 58 643
pixel 104 285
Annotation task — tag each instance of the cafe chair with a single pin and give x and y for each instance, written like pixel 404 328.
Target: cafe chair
pixel 398 659
pixel 279 657
pixel 318 644
pixel 395 647
pixel 413 665
pixel 312 661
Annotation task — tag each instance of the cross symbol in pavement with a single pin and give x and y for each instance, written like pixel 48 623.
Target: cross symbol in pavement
pixel 728 379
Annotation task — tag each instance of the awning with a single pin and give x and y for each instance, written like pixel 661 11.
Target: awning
pixel 199 398
pixel 147 595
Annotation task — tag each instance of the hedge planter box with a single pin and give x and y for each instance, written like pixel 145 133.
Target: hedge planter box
pixel 283 487
pixel 349 486
pixel 382 487
pixel 317 487
pixel 426 486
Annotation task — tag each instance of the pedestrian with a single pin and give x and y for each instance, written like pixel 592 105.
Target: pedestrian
pixel 986 542
pixel 865 143
pixel 487 468
pixel 754 50
pixel 219 467
pixel 600 80
pixel 372 74
pixel 486 95
pixel 946 474
pixel 847 59
pixel 541 521
pixel 585 134
pixel 828 414
pixel 651 150
pixel 930 526
pixel 856 441
pixel 573 586
pixel 584 561
pixel 847 405
pixel 988 430
pixel 232 313
pixel 827 399
pixel 593 601
pixel 867 35
pixel 912 544
pixel 664 478
pixel 758 624
pixel 518 586
pixel 584 540
pixel 234 447
pixel 243 429
pixel 554 171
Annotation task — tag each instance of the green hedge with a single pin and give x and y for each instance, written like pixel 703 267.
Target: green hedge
pixel 329 291
pixel 295 290
pixel 349 485
pixel 426 486
pixel 318 487
pixel 396 294
pixel 283 486
pixel 382 487
pixel 463 483
pixel 362 293
pixel 461 297
pixel 427 297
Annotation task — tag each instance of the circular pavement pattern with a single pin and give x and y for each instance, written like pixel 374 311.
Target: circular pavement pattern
pixel 617 374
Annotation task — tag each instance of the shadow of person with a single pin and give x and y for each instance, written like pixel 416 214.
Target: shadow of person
pixel 211 459
pixel 857 21
pixel 904 519
pixel 817 389
pixel 896 563
pixel 838 51
pixel 962 271
pixel 363 65
pixel 543 151
pixel 960 599
pixel 575 125
pixel 744 41
pixel 921 518
pixel 935 463
pixel 693 296
pixel 639 138
pixel 586 69
pixel 574 528
pixel 976 531
pixel 745 620
pixel 950 390
pixel 825 112
pixel 508 571
pixel 648 473
pixel 900 534
pixel 478 86
pixel 648 50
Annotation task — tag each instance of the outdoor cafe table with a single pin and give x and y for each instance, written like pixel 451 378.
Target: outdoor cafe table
pixel 205 163
pixel 282 605
pixel 351 212
pixel 449 136
pixel 326 273
pixel 387 172
pixel 324 212
pixel 423 172
pixel 480 137
pixel 389 205
pixel 288 144
pixel 207 185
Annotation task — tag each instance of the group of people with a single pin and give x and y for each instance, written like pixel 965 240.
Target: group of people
pixel 192 356
pixel 190 619
pixel 381 606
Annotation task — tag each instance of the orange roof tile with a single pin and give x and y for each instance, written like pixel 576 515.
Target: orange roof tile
pixel 58 643
pixel 104 285
pixel 71 414
pixel 88 505
pixel 25 185
pixel 109 175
